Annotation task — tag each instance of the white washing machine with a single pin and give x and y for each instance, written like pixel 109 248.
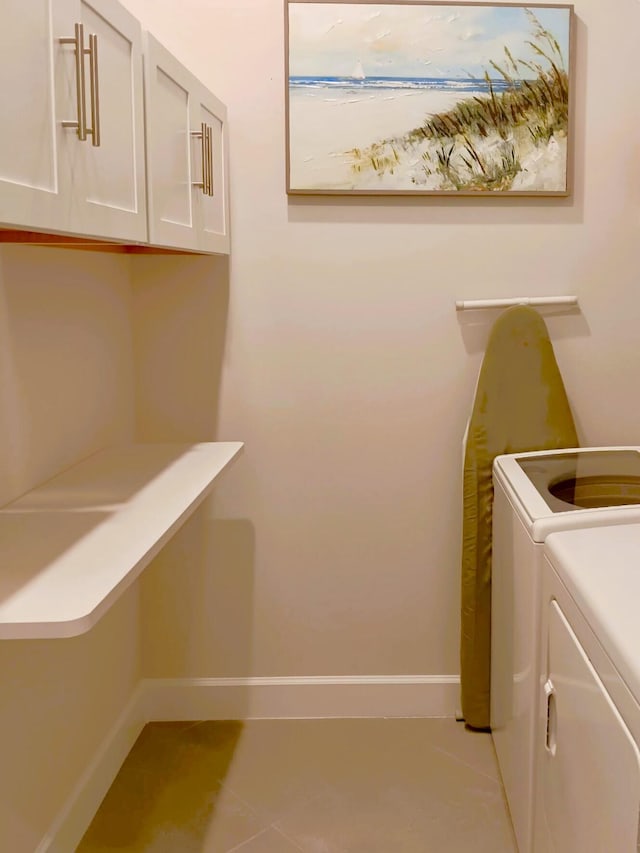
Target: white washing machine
pixel 588 762
pixel 536 494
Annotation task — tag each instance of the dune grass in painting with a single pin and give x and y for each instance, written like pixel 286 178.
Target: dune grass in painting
pixel 515 139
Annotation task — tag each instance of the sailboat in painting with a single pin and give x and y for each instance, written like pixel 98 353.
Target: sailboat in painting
pixel 358 72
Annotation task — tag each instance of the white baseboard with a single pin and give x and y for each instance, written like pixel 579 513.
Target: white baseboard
pixel 314 697
pixel 76 815
pixel 166 699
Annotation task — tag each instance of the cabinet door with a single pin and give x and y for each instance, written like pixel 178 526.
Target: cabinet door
pixel 589 774
pixel 108 177
pixel 52 175
pixel 212 202
pixel 187 187
pixel 34 181
pixel 168 90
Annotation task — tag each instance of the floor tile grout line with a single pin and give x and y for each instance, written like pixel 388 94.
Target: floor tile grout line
pixel 276 818
pixel 291 840
pixel 247 840
pixel 272 827
pixel 241 799
pixel 458 760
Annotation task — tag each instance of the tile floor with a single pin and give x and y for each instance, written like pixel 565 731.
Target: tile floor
pixel 317 786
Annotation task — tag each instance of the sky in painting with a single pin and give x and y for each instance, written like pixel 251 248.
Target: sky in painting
pixel 423 40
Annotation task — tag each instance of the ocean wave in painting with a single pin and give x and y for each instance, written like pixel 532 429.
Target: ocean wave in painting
pixel 394 83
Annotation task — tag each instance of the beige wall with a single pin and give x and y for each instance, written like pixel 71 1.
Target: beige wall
pixel 66 384
pixel 60 699
pixel 333 546
pixel 66 390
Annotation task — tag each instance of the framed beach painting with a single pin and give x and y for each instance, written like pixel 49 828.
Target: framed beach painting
pixel 414 98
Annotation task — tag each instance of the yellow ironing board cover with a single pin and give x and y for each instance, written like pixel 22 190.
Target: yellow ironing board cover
pixel 520 404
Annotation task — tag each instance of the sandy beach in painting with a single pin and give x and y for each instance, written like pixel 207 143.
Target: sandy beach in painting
pixel 325 125
pixel 330 128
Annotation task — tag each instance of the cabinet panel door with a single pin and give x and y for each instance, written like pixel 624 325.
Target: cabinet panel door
pixel 589 790
pixel 212 207
pixel 108 182
pixel 168 106
pixel 32 182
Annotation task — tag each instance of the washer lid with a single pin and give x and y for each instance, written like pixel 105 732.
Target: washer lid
pixel 565 489
pixel 576 480
pixel 600 567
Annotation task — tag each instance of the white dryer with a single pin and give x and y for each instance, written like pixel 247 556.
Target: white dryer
pixel 536 494
pixel 588 779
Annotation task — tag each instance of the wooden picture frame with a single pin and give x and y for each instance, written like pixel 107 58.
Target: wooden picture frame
pixel 428 98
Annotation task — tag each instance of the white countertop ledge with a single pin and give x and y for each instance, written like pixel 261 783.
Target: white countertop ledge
pixel 72 546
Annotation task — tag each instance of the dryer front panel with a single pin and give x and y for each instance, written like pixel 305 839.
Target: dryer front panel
pixel 589 772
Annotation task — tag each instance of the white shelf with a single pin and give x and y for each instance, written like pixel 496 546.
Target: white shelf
pixel 70 548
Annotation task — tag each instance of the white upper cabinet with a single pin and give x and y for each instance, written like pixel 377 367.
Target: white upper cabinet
pixel 30 175
pixel 109 181
pixel 77 117
pixel 187 186
pixel 72 147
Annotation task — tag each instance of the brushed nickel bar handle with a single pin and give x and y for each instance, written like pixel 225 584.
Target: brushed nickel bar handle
pixel 202 135
pixel 81 124
pixel 210 158
pixel 94 86
pixel 205 159
pixel 207 173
